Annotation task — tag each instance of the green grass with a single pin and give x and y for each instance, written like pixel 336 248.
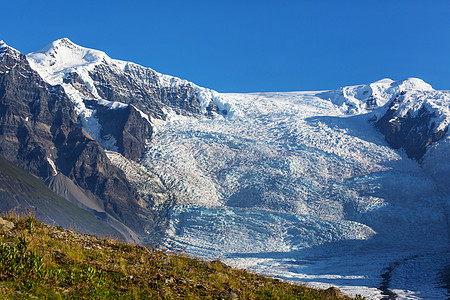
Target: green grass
pixel 46 262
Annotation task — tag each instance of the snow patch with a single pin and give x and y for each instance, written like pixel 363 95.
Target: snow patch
pixel 437 103
pixel 413 96
pixel 112 104
pixel 52 164
pixel 206 96
pixel 108 142
pixel 89 121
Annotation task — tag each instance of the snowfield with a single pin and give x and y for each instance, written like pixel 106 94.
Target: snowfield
pixel 293 185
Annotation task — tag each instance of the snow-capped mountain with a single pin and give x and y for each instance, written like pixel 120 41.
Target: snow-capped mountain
pixel 91 80
pixel 367 97
pixel 347 187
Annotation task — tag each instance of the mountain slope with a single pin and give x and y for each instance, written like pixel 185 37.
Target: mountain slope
pixel 410 113
pixel 21 191
pixel 39 132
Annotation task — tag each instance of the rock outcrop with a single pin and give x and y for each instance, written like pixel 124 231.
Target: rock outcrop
pixel 144 88
pixel 126 128
pixel 413 132
pixel 410 113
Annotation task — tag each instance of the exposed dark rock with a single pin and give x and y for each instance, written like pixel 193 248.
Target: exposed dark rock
pixel 130 130
pixel 75 80
pixel 411 133
pixel 84 161
pixel 32 114
pixel 141 87
pixel 228 296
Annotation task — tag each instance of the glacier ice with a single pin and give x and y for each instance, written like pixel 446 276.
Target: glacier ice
pixel 291 185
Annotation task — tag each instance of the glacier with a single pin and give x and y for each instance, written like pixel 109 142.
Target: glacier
pixel 295 186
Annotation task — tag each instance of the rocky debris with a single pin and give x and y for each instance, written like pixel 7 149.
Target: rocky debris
pixel 218 262
pixel 165 260
pixel 36 198
pixel 130 277
pixel 335 292
pixel 228 296
pixel 169 280
pixel 182 280
pixel 5 224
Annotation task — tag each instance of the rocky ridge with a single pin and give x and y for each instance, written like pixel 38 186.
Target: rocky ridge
pixel 90 77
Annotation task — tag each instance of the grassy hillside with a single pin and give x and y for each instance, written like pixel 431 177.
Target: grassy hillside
pixel 42 261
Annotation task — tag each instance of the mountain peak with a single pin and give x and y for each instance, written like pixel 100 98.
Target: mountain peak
pixel 64 43
pixel 4 48
pixel 384 81
pixel 59 44
pixel 64 40
pixel 412 83
pixel 363 98
pixel 63 56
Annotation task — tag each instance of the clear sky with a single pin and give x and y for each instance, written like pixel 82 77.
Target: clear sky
pixel 246 46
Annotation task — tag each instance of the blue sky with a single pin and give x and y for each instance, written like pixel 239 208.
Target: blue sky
pixel 246 46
